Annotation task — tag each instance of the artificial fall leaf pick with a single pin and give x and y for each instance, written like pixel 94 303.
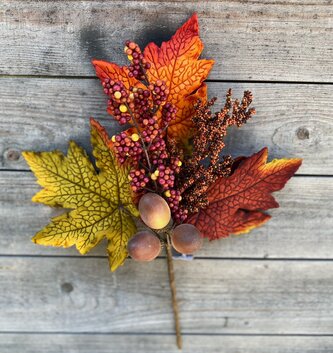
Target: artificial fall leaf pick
pixel 101 202
pixel 162 182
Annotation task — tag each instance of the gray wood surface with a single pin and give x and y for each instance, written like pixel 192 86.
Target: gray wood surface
pixel 42 114
pixel 81 343
pixel 269 291
pixel 250 40
pixel 244 297
pixel 300 228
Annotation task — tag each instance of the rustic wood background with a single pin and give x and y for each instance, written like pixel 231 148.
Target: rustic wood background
pixel 267 292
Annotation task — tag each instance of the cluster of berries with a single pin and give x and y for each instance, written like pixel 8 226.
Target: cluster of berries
pixel 159 92
pixel 127 146
pixel 204 165
pixel 145 106
pixel 138 179
pixel 138 65
pixel 168 114
pixel 173 198
pixel 119 99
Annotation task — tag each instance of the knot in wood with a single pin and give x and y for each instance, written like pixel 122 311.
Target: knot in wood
pixel 12 155
pixel 303 133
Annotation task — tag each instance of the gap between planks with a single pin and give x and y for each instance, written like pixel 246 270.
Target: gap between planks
pixel 73 77
pixel 206 258
pixel 77 333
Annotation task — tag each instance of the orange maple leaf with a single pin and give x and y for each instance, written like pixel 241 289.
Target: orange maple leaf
pixel 105 70
pixel 176 62
pixel 236 203
pixel 101 132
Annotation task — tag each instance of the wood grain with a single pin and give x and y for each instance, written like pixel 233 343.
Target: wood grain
pixel 250 40
pixel 270 291
pixel 43 114
pixel 80 343
pixel 301 228
pixel 228 296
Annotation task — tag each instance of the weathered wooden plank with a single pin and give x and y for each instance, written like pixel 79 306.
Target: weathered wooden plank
pixel 43 114
pixel 55 343
pixel 286 40
pixel 300 228
pixel 231 296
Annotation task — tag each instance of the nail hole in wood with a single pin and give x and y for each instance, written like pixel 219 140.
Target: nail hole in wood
pixel 67 287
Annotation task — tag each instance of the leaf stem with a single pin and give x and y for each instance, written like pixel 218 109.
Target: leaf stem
pixel 173 291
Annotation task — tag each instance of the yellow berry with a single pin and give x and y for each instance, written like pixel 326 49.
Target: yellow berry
pixel 126 48
pixel 167 193
pixel 179 163
pixel 153 177
pixel 123 108
pixel 113 138
pixel 131 96
pixel 130 57
pixel 157 172
pixel 117 95
pixel 135 137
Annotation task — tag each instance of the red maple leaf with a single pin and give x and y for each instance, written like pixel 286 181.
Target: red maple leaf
pixel 236 203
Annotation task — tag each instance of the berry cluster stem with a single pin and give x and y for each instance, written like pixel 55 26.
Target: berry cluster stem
pixel 173 291
pixel 144 73
pixel 139 133
pixel 142 141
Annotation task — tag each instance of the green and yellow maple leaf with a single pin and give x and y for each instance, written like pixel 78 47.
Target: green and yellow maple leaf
pixel 101 203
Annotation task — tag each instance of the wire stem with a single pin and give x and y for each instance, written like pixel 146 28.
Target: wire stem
pixel 173 292
pixel 139 133
pixel 142 140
